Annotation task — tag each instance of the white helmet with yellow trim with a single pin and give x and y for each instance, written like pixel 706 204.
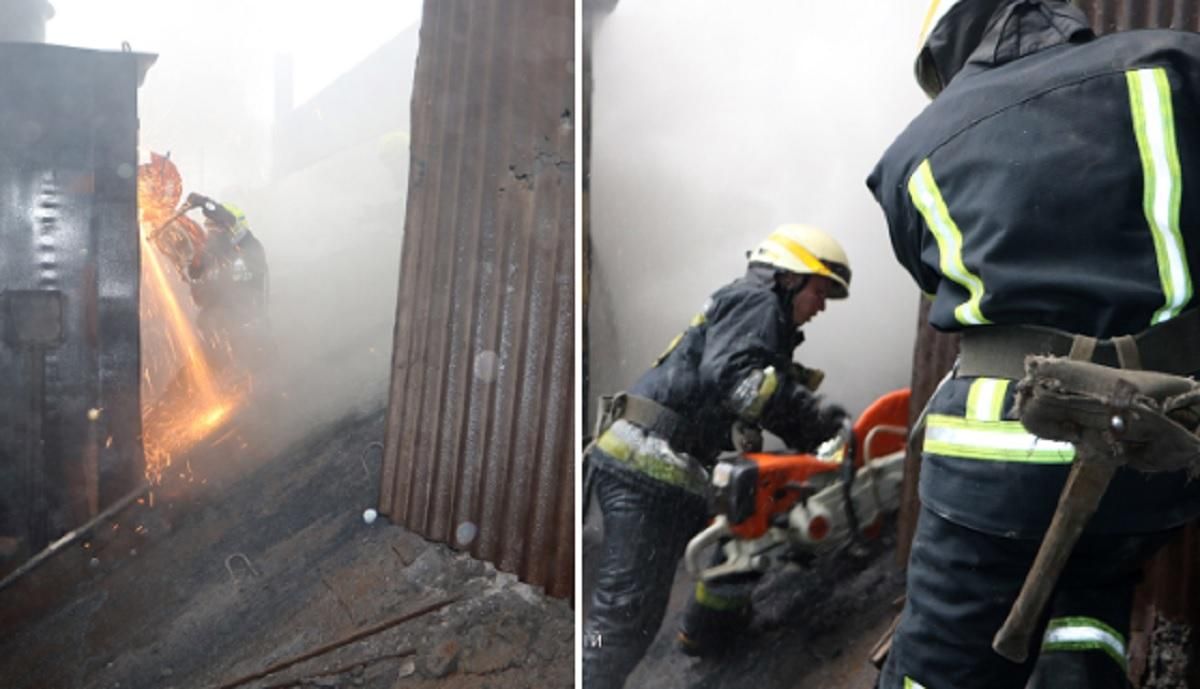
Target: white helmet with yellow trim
pixel 805 250
pixel 950 32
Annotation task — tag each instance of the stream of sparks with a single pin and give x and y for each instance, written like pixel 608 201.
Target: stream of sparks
pixel 206 408
pixel 181 330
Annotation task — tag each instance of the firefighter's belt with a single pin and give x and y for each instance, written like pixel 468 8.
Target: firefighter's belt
pixel 999 351
pixel 1144 419
pixel 654 418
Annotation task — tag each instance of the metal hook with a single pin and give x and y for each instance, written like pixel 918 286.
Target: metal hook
pixel 249 565
pixel 363 457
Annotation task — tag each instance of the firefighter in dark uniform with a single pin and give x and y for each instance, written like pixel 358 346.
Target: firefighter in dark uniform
pixel 648 469
pixel 230 285
pixel 1050 193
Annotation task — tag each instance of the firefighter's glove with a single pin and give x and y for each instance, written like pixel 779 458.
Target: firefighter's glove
pixel 808 377
pixel 195 200
pixel 830 421
pixel 808 434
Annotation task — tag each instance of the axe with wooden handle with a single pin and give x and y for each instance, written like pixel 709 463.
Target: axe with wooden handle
pixel 1086 484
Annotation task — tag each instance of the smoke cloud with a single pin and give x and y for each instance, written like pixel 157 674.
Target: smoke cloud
pixel 229 78
pixel 714 122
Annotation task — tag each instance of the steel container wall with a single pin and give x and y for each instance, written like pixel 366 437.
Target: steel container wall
pixel 480 436
pixel 69 270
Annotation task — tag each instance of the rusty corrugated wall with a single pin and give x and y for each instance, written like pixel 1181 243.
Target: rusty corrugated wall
pixel 480 434
pixel 1118 15
pixel 1167 593
pixel 1167 601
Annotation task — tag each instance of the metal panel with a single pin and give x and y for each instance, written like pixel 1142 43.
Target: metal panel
pixel 1119 15
pixel 479 446
pixel 69 266
pixel 933 355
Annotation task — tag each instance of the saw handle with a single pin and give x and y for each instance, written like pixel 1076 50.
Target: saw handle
pixel 693 556
pixel 1086 484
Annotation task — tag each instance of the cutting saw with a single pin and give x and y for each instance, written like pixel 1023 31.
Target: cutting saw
pixel 772 506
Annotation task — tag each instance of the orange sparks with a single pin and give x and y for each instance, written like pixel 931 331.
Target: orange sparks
pixel 180 410
pixel 180 329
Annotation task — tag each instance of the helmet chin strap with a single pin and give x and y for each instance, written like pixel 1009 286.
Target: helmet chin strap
pixel 789 294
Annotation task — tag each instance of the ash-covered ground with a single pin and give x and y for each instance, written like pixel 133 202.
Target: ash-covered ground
pixel 267 560
pixel 815 625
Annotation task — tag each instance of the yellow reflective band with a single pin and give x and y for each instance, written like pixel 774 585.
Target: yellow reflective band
pixel 617 448
pixel 910 683
pixel 1004 441
pixel 799 253
pixel 698 319
pixel 770 383
pixel 985 400
pixel 1085 634
pixel 928 199
pixel 714 601
pixel 1154 127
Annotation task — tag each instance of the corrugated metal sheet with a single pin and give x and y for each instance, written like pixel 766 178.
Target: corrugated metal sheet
pixel 933 355
pixel 1118 15
pixel 1167 592
pixel 69 271
pixel 479 446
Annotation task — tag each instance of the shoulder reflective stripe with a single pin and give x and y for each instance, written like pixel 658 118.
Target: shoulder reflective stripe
pixel 698 319
pixel 1008 441
pixel 928 199
pixel 910 683
pixel 1084 634
pixel 1154 126
pixel 985 400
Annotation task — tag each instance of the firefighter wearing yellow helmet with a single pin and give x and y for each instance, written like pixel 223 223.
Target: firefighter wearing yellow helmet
pixel 1045 201
pixel 732 366
pixel 230 284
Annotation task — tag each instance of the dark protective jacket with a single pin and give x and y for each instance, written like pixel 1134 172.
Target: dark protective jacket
pixel 734 363
pixel 232 277
pixel 1048 185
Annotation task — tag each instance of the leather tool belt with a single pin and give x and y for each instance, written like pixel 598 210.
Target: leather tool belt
pixel 999 351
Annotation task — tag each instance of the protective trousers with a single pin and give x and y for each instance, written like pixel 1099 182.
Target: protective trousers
pixel 961 585
pixel 647 525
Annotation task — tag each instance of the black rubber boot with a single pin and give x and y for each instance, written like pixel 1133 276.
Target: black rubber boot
pixel 707 631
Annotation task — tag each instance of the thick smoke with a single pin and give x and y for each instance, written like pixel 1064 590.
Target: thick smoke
pixel 227 75
pixel 712 123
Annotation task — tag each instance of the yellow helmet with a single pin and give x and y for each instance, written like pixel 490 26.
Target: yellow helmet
pixel 950 31
pixel 805 250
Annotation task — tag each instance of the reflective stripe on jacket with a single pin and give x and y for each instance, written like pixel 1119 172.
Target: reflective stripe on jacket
pixel 1054 183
